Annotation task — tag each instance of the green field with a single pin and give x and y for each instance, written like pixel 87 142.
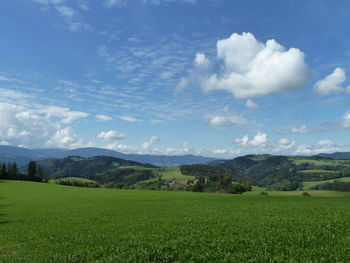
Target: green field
pixel 53 223
pixel 301 160
pixel 308 185
pixel 171 173
pixel 71 179
pixel 317 172
pixel 167 174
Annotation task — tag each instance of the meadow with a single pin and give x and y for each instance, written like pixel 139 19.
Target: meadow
pixel 168 173
pixel 309 185
pixel 54 223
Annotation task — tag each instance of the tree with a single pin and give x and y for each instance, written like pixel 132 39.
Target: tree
pixel 31 171
pixel 40 172
pixel 12 171
pixel 3 172
pixel 225 182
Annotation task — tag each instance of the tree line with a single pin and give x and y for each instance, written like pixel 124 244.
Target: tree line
pixel 215 179
pixel 10 171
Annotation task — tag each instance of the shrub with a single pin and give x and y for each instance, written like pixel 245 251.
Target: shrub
pixel 264 193
pixel 306 194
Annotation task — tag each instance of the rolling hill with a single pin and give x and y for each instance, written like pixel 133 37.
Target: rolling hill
pixel 336 155
pixel 280 172
pixel 103 169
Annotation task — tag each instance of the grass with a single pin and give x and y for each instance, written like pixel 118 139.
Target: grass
pixel 308 185
pixel 301 160
pixel 314 193
pixel 53 223
pixel 171 173
pixel 318 171
pixel 167 174
pixel 71 179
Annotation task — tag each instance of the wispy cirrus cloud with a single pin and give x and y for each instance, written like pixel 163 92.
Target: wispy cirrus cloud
pixel 71 16
pixel 128 118
pixel 111 135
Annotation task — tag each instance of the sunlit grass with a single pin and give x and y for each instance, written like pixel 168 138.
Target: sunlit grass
pixel 53 223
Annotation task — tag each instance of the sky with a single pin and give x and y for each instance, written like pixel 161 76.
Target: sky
pixel 217 78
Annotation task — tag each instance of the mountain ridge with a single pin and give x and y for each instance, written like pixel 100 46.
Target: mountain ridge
pixel 23 155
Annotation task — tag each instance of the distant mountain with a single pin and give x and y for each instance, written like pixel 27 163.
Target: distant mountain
pixel 22 156
pixel 103 169
pixel 17 154
pixel 91 152
pixel 336 155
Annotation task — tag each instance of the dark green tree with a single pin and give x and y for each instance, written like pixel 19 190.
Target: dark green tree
pixel 31 171
pixel 12 171
pixel 3 172
pixel 225 182
pixel 40 172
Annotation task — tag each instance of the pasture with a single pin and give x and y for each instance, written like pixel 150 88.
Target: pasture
pixel 308 185
pixel 53 223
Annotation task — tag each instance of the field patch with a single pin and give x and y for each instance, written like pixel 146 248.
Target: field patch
pixel 309 185
pixel 51 223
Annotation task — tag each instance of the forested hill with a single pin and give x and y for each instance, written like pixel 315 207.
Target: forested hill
pixel 275 171
pixel 336 155
pixel 100 168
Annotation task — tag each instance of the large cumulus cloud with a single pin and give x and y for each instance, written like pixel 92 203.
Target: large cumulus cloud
pixel 26 127
pixel 252 68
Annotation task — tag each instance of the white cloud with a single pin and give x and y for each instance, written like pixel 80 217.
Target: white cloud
pixel 69 14
pixel 112 3
pixel 84 6
pixel 121 147
pixel 325 142
pixel 46 2
pixel 158 2
pixel 285 144
pixel 68 83
pixel 150 142
pixel 332 83
pixel 111 135
pixel 227 120
pixel 243 142
pixel 66 115
pixel 78 26
pixel 345 122
pixel 21 126
pixel 259 140
pixel 251 104
pixel 65 11
pixel 12 94
pixel 305 149
pixel 102 117
pixel 155 121
pixel 221 151
pixel 183 83
pixel 201 60
pixel 252 68
pixel 3 78
pixel 65 138
pixel 128 118
pixel 302 129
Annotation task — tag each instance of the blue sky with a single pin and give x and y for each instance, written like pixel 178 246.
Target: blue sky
pixel 212 77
